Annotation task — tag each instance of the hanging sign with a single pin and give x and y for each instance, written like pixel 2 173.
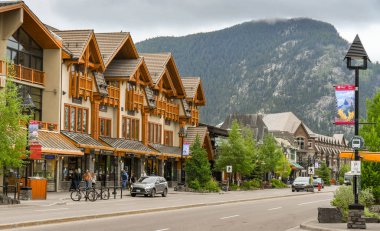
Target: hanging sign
pixel 345 100
pixel 33 132
pixel 35 151
pixel 186 149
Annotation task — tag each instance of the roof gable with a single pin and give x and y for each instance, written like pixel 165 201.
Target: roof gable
pixel 194 90
pixel 116 46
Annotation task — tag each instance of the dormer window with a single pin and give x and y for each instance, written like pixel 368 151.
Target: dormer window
pixel 301 142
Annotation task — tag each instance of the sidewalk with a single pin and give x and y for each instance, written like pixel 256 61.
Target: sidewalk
pixel 315 226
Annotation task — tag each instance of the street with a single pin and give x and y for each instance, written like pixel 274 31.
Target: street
pixel 269 214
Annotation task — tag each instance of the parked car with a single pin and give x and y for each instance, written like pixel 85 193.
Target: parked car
pixel 318 180
pixel 150 186
pixel 302 184
pixel 348 178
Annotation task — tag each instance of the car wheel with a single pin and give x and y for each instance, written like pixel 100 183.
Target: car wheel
pixel 293 190
pixel 297 190
pixel 165 193
pixel 145 195
pixel 153 193
pixel 133 194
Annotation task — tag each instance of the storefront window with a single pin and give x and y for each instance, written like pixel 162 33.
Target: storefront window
pixel 69 164
pixel 39 168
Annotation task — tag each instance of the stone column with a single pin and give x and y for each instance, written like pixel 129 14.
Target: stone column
pixel 355 217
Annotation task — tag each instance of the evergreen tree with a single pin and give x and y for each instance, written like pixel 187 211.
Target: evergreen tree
pixel 12 133
pixel 197 167
pixel 237 151
pixel 269 154
pixel 370 177
pixel 324 173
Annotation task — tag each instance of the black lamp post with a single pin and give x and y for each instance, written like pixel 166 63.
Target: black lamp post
pixel 357 59
pixel 27 108
pixel 182 133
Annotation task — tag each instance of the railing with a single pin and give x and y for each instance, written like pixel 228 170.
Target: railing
pixel 80 85
pixel 194 116
pixel 23 73
pixel 170 111
pixel 134 100
pixel 113 98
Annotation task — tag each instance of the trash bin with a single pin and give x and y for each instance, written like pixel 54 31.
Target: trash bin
pixel 39 187
pixel 25 193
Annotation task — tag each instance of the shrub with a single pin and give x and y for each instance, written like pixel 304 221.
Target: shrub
pixel 344 196
pixel 212 186
pixel 341 180
pixel 368 213
pixel 252 184
pixel 233 187
pixel 194 185
pixel 278 184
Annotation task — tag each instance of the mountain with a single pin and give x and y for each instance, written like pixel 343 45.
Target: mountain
pixel 269 67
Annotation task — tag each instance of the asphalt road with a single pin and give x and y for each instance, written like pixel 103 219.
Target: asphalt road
pixel 269 214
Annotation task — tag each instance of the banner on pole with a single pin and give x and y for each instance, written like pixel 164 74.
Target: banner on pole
pixel 345 102
pixel 186 149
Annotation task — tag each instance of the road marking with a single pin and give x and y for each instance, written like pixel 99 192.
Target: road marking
pixel 274 208
pixel 162 229
pixel 222 218
pixel 45 210
pixel 312 202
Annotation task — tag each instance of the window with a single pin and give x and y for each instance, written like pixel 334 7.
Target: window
pixel 155 131
pixel 75 119
pixel 301 142
pixel 105 127
pixel 36 95
pixel 168 138
pixel 130 128
pixel 21 49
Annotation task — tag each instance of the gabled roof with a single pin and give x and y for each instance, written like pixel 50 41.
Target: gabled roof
pixel 192 133
pixel 32 25
pixel 253 121
pixel 54 142
pixel 116 45
pixel 75 41
pixel 101 84
pixel 160 64
pixel 286 122
pixel 194 90
pixel 122 67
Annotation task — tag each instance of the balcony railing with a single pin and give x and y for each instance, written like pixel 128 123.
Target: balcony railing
pixel 170 111
pixel 80 85
pixel 194 116
pixel 23 73
pixel 113 98
pixel 134 100
pixel 47 126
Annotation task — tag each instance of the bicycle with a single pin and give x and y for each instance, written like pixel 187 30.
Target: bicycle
pixel 89 194
pixel 103 194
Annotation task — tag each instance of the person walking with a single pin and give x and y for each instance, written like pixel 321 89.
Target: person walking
pixel 124 179
pixel 133 178
pixel 77 179
pixel 87 179
pixel 93 179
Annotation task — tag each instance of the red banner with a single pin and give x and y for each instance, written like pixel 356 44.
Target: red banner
pixel 35 151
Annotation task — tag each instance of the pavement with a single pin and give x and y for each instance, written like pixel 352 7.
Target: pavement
pixel 314 225
pixel 52 210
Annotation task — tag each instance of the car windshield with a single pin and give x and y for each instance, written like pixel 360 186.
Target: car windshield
pixel 301 179
pixel 147 180
pixel 318 180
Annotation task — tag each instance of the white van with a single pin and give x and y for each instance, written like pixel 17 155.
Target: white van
pixel 348 178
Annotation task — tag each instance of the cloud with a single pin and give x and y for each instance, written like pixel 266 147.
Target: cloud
pixel 151 18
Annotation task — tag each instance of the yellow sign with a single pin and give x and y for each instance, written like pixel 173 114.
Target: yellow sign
pixel 364 156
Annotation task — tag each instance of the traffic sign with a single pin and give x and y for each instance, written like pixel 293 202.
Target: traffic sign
pixel 355 167
pixel 310 170
pixel 229 168
pixel 357 142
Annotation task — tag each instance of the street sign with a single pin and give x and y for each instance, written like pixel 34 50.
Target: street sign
pixel 316 165
pixel 357 142
pixel 310 170
pixel 355 167
pixel 229 168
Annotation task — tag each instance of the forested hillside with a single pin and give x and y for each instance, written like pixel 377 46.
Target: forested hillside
pixel 268 67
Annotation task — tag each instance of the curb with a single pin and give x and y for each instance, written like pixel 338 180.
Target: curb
pixel 134 212
pixel 305 226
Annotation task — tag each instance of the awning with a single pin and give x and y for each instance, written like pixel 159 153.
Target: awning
pixel 295 166
pixel 167 150
pixel 128 146
pixel 365 156
pixel 84 140
pixel 56 143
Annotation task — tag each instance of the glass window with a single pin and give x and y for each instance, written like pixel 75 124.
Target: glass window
pixel 66 126
pixel 75 118
pixel 84 128
pixel 128 128
pixel 79 119
pixel 123 128
pixel 72 119
pixel 105 127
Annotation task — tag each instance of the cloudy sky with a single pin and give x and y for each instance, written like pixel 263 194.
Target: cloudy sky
pixel 152 18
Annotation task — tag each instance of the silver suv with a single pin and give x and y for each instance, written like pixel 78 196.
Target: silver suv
pixel 150 186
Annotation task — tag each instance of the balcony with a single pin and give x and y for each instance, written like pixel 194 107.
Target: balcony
pixel 134 100
pixel 194 120
pixel 170 111
pixel 22 73
pixel 113 98
pixel 80 85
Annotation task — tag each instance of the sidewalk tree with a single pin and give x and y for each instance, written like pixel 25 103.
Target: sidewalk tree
pixel 370 177
pixel 237 151
pixel 12 133
pixel 282 167
pixel 324 173
pixel 269 155
pixel 197 167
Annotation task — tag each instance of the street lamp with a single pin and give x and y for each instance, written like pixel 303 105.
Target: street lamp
pixel 357 59
pixel 182 133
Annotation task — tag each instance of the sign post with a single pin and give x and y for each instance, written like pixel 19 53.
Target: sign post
pixel 229 171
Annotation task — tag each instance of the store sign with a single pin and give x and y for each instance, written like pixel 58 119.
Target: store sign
pixel 35 151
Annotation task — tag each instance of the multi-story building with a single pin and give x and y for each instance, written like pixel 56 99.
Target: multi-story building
pixel 105 107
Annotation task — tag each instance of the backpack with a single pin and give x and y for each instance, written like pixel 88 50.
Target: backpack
pixel 124 176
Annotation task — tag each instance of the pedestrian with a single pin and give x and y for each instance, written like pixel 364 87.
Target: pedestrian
pixel 77 178
pixel 133 178
pixel 87 179
pixel 124 179
pixel 93 179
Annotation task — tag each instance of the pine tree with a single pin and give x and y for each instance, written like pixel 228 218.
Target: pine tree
pixel 197 167
pixel 324 173
pixel 12 133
